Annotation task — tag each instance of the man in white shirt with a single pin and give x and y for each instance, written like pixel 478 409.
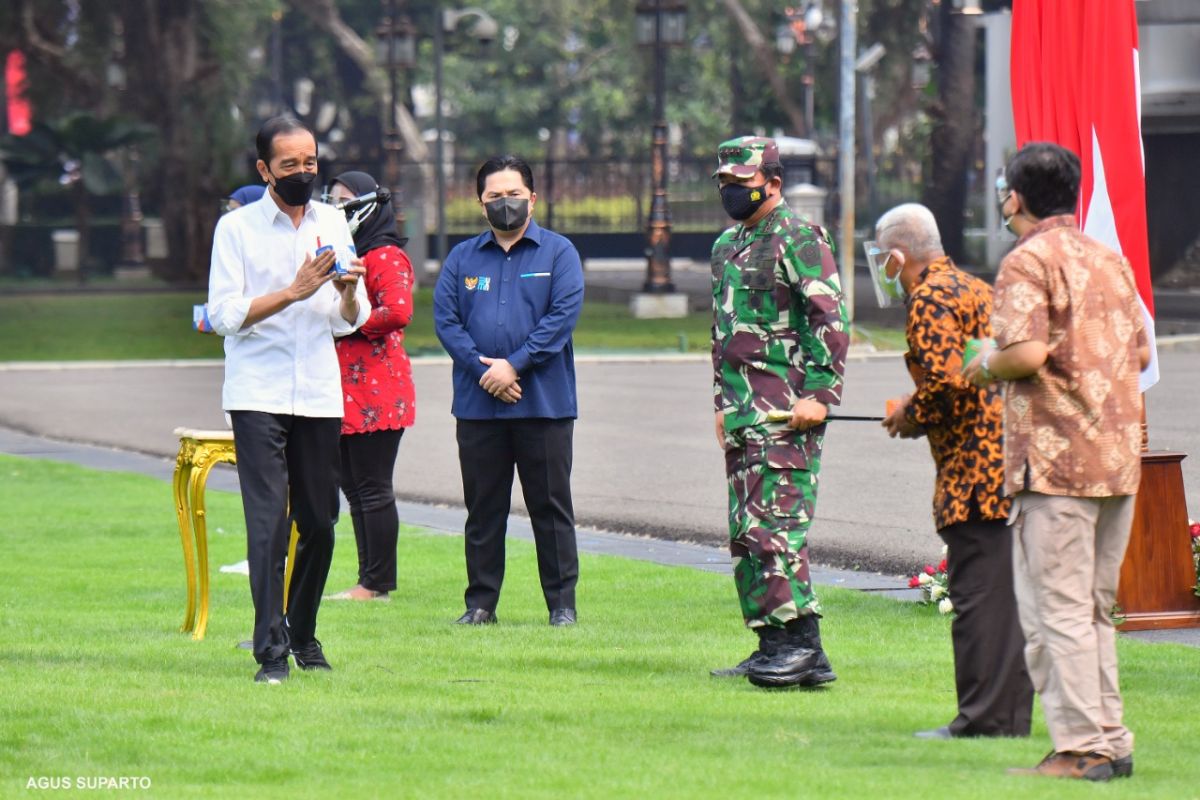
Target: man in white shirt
pixel 283 388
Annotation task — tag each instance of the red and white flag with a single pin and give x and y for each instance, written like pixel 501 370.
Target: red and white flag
pixel 1075 82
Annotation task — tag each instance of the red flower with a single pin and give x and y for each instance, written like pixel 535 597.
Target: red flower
pixel 929 570
pixel 914 582
pixel 1194 529
pixel 942 566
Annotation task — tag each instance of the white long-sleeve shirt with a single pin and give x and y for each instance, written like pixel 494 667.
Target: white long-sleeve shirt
pixel 286 363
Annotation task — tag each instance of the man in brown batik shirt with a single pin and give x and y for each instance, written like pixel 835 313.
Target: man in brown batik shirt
pixel 1070 342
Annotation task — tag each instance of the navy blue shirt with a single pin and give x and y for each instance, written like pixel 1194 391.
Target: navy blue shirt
pixel 521 306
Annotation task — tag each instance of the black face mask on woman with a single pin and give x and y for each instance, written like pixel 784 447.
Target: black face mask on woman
pixel 295 189
pixel 507 213
pixel 740 202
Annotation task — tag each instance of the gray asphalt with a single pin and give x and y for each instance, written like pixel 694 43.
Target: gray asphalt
pixel 1177 311
pixel 646 458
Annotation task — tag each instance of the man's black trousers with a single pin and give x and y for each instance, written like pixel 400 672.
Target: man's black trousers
pixel 995 695
pixel 286 462
pixel 540 449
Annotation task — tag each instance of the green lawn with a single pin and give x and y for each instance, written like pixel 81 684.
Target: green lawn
pixel 98 682
pixel 47 327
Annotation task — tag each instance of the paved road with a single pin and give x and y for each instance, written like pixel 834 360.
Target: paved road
pixel 646 460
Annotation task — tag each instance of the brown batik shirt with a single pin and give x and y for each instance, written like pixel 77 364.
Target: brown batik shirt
pixel 962 422
pixel 1072 428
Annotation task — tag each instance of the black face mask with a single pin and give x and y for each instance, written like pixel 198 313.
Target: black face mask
pixel 295 189
pixel 507 213
pixel 740 202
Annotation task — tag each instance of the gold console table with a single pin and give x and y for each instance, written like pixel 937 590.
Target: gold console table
pixel 199 452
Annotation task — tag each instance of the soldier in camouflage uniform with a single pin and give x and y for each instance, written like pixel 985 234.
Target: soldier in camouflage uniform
pixel 780 336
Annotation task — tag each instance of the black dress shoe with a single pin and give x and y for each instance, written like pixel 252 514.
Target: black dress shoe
pixel 562 616
pixel 937 733
pixel 477 616
pixel 273 670
pixel 310 656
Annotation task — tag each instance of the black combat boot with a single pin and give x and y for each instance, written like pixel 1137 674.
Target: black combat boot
pixel 769 640
pixel 798 661
pixel 824 671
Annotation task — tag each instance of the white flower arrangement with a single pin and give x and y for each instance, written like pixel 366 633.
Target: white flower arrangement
pixel 934 583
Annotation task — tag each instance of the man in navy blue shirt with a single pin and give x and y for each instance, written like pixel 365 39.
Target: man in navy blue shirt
pixel 505 305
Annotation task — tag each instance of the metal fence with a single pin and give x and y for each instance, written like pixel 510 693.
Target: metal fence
pixel 591 196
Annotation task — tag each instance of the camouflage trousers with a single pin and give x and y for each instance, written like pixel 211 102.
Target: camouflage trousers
pixel 772 496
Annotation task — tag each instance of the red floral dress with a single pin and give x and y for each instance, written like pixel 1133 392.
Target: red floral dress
pixel 376 373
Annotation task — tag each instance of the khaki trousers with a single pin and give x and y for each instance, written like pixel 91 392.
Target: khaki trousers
pixel 1067 554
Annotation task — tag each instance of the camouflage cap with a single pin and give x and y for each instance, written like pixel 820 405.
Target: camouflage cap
pixel 741 157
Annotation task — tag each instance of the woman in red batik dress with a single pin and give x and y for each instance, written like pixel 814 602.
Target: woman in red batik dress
pixel 376 382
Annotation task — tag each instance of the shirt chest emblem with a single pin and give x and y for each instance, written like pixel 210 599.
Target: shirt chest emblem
pixel 481 283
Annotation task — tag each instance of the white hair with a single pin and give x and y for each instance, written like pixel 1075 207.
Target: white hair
pixel 910 226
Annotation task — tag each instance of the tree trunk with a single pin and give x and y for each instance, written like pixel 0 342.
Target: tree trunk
pixel 166 93
pixel 762 49
pixel 325 15
pixel 955 120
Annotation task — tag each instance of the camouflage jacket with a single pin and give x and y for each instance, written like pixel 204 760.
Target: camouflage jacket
pixel 780 331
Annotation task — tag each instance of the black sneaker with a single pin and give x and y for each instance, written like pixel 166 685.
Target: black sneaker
pixel 309 656
pixel 1123 767
pixel 273 670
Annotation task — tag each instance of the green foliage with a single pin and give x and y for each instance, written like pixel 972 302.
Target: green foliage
pixel 100 68
pixel 572 68
pixel 576 69
pixel 564 78
pixel 234 34
pixel 621 705
pixel 77 146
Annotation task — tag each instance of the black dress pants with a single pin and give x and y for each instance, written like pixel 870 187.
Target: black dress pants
pixel 995 695
pixel 368 461
pixel 541 451
pixel 286 462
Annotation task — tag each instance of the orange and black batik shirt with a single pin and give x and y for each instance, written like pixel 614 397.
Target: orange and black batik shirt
pixel 962 422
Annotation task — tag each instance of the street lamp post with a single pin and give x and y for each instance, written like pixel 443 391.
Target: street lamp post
pixel 485 30
pixel 397 43
pixel 660 23
pixel 848 27
pixel 804 27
